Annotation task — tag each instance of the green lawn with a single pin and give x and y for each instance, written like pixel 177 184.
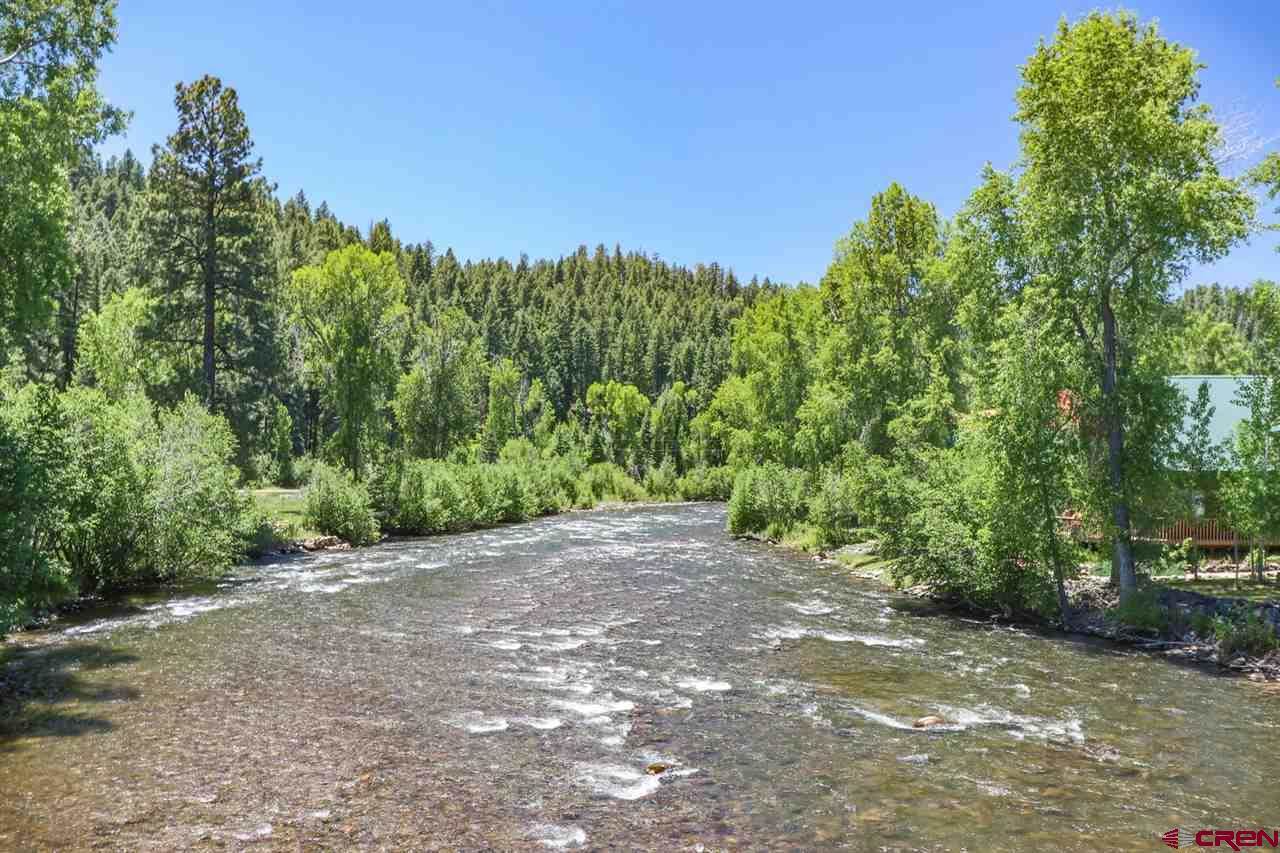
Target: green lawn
pixel 286 505
pixel 1225 587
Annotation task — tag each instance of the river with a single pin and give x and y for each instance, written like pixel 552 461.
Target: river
pixel 509 690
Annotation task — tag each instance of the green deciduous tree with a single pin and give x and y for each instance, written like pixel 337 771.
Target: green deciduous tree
pixel 34 480
pixel 892 313
pixel 1251 483
pixel 669 424
pixel 504 415
pixel 49 109
pixel 752 417
pixel 1116 193
pixel 1207 346
pixel 618 415
pixel 438 403
pixel 1267 175
pixel 1031 441
pixel 1197 458
pixel 114 353
pixel 352 313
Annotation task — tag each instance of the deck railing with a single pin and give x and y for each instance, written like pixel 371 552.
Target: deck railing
pixel 1204 532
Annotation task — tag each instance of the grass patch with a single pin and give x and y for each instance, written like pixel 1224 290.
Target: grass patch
pixel 803 537
pixel 1225 587
pixel 869 564
pixel 287 506
pixel 858 561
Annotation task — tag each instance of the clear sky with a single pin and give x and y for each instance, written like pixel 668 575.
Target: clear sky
pixel 748 134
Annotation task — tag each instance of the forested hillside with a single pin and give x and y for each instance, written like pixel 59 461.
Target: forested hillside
pixel 1224 328
pixel 589 316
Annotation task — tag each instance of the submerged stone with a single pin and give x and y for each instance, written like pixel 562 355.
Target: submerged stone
pixel 929 722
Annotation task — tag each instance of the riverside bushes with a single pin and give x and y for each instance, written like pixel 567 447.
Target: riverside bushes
pixel 605 481
pixel 940 516
pixel 706 484
pixel 33 509
pixel 831 508
pixel 339 506
pixel 422 497
pixel 1244 633
pixel 97 494
pixel 768 499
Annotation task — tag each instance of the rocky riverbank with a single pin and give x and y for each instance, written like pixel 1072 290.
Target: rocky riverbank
pixel 1181 624
pixel 1186 633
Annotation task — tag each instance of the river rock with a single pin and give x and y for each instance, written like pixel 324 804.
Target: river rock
pixel 657 768
pixel 929 722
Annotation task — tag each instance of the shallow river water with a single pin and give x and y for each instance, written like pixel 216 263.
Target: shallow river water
pixel 508 689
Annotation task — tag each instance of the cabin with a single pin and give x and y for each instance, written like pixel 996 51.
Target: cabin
pixel 1204 528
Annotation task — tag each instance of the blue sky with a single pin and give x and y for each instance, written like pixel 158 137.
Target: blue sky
pixel 751 135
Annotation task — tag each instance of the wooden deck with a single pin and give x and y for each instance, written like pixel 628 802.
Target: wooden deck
pixel 1204 532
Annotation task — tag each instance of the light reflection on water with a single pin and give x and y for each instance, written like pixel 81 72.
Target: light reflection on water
pixel 514 689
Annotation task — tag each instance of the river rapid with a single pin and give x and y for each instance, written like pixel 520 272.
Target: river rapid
pixel 510 689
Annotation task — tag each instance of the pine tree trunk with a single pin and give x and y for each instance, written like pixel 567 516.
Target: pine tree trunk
pixel 210 376
pixel 209 272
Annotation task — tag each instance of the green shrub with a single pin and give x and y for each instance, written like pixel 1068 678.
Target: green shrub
pixel 942 518
pixel 706 484
pixel 831 509
pixel 604 481
pixel 1142 612
pixel 33 512
pixel 436 497
pixel 302 469
pixel 1244 633
pixel 747 512
pixel 339 506
pixel 1161 560
pixel 478 507
pixel 262 534
pixel 196 512
pixel 99 494
pixel 262 470
pixel 1203 625
pixel 767 499
pixel 111 513
pixel 505 493
pixel 661 482
pixel 519 451
pixel 429 500
pixel 550 485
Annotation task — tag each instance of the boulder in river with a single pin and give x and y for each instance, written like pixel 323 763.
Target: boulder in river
pixel 929 722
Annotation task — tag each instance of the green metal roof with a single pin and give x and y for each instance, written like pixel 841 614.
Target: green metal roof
pixel 1222 393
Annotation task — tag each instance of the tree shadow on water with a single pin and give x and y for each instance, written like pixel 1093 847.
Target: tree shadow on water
pixel 964 620
pixel 44 690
